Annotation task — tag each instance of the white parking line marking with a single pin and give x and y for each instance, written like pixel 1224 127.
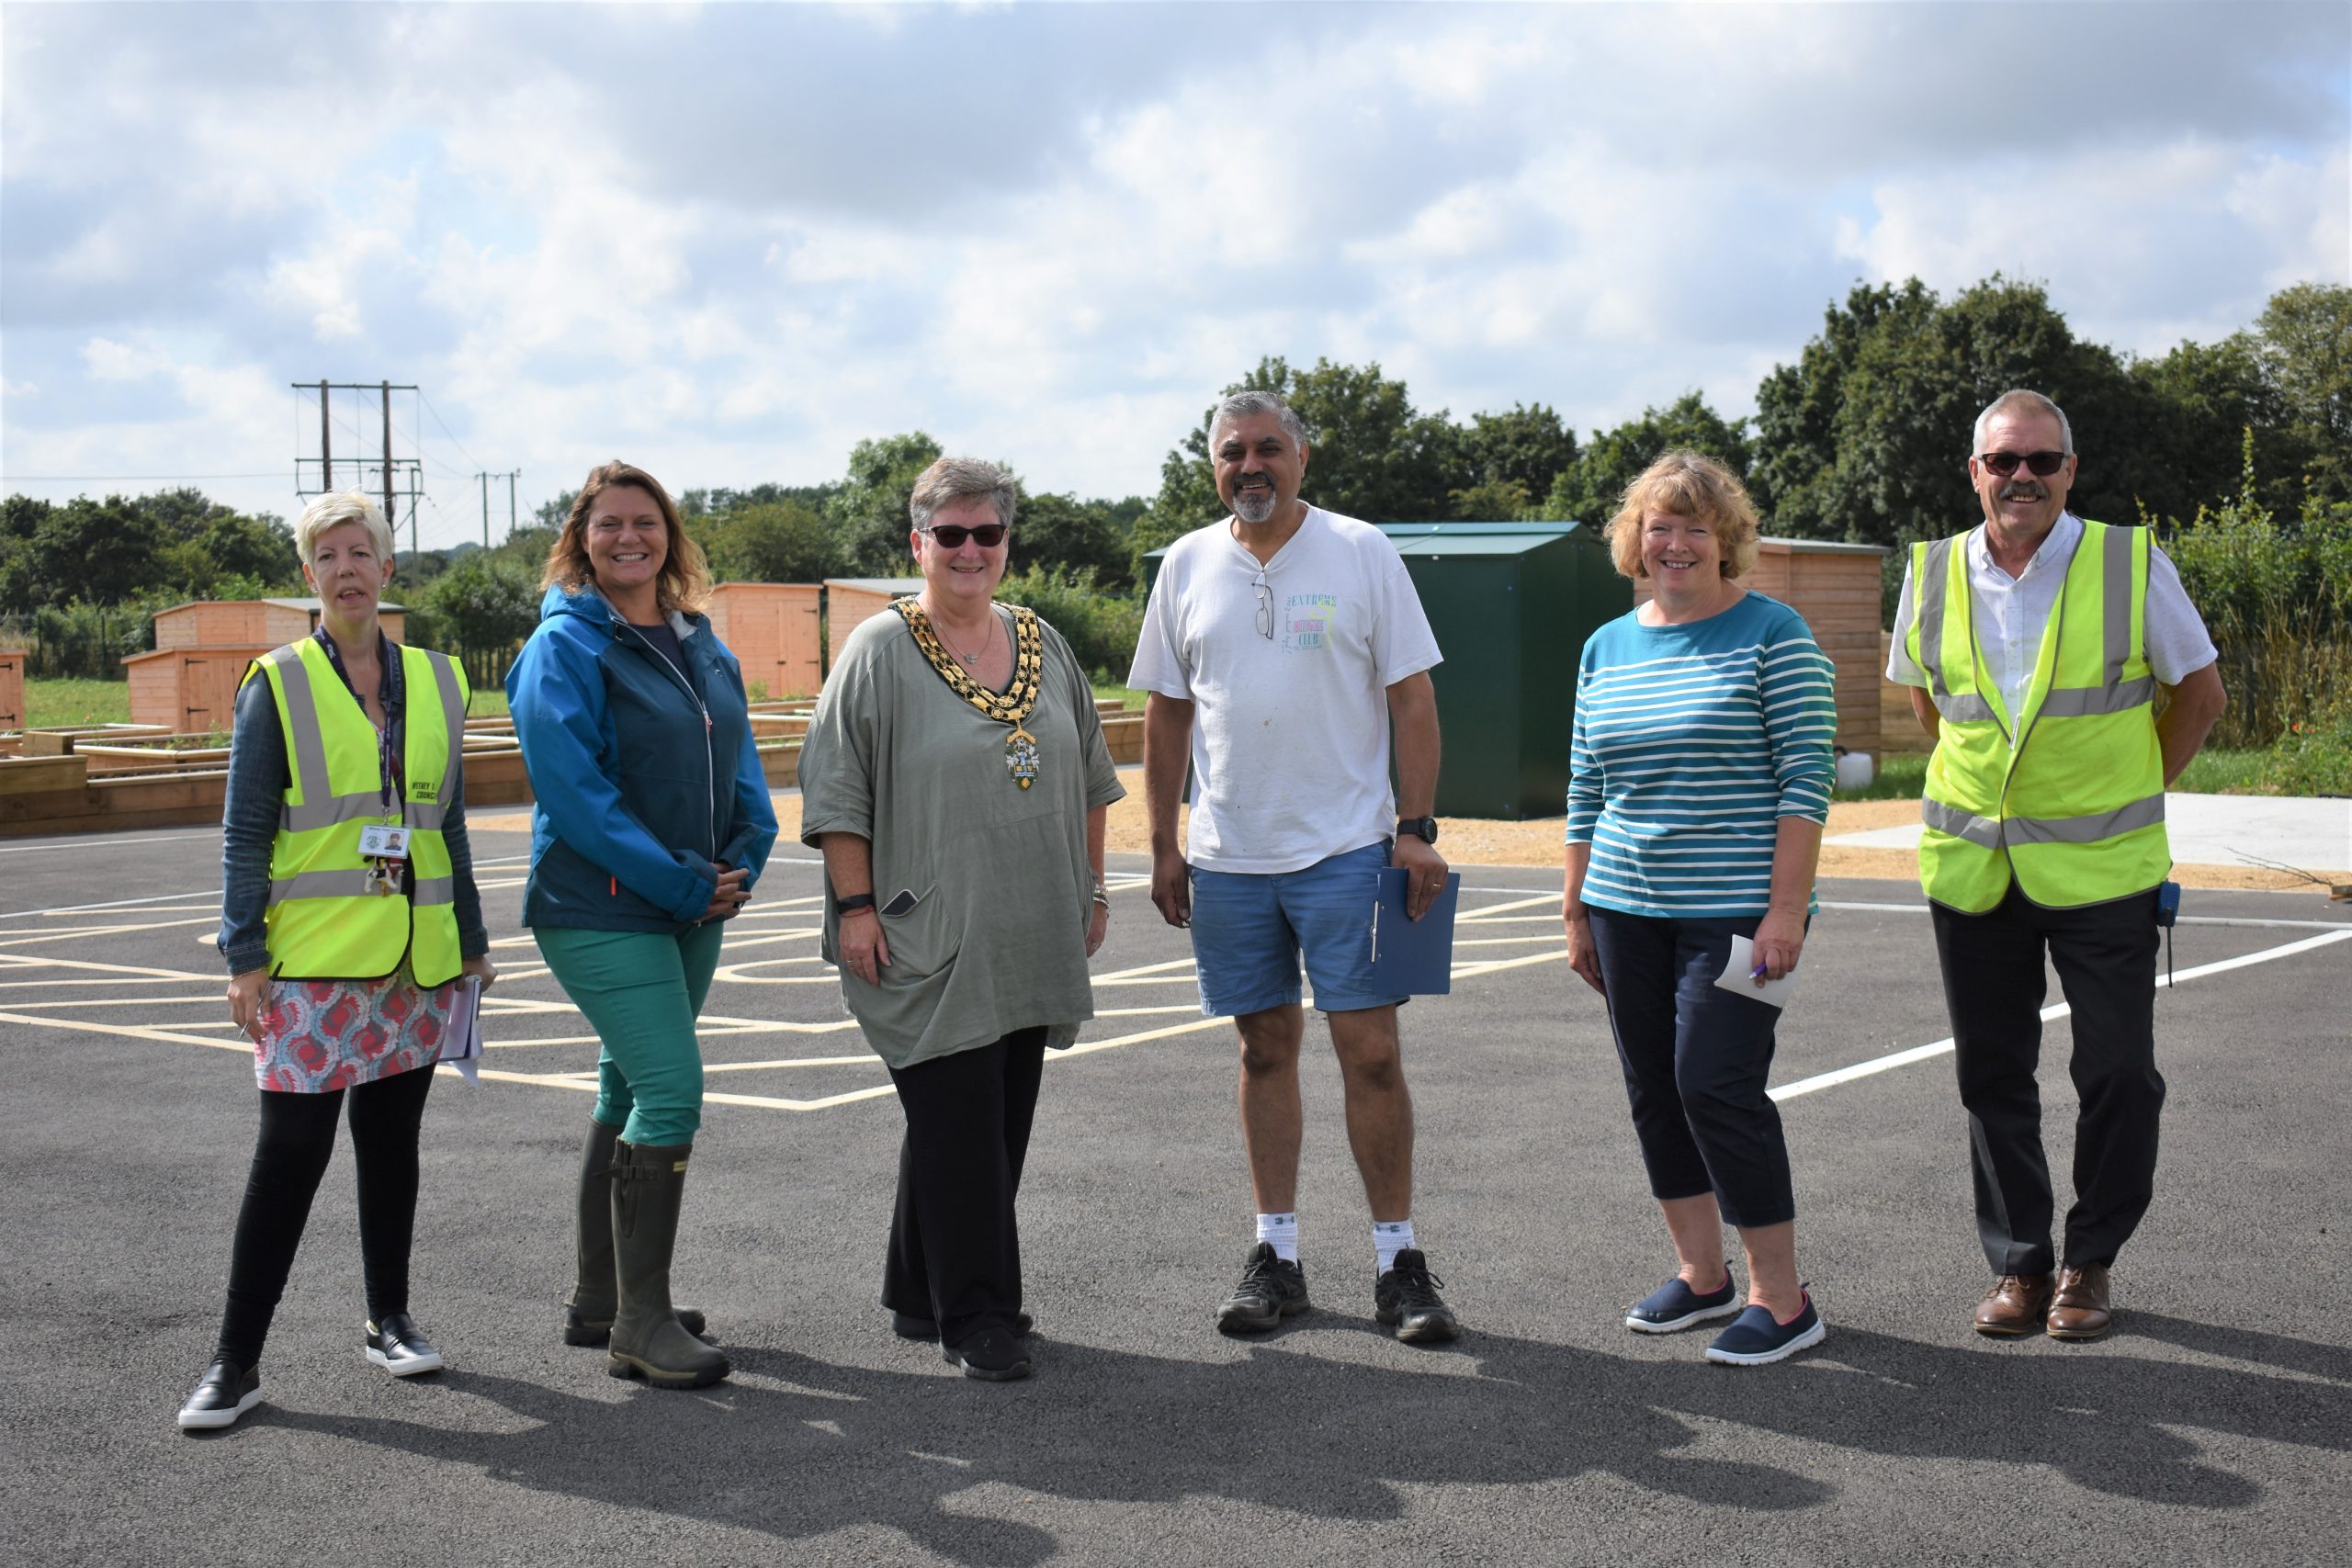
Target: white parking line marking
pixel 1939 1048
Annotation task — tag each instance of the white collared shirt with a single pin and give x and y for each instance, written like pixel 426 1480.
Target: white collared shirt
pixel 2012 611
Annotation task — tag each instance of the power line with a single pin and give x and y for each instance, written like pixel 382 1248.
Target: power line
pixel 125 479
pixel 452 435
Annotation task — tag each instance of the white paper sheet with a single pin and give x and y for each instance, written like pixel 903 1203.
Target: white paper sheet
pixel 1739 975
pixel 462 1047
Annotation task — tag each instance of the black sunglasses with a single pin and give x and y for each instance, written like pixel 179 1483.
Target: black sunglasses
pixel 951 536
pixel 2043 464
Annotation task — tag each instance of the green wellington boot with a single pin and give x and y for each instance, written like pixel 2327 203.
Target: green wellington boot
pixel 588 1314
pixel 647 1340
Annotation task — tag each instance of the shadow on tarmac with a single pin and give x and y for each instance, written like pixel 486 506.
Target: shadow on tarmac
pixel 839 1447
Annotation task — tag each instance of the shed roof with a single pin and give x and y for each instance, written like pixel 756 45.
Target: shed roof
pixel 1465 539
pixel 878 584
pixel 287 604
pixel 1826 546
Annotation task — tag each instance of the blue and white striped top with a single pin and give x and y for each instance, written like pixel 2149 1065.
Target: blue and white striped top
pixel 1691 743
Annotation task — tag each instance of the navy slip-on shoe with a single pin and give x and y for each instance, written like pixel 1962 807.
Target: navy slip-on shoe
pixel 1757 1339
pixel 1676 1305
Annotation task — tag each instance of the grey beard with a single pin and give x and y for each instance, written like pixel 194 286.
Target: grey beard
pixel 1254 508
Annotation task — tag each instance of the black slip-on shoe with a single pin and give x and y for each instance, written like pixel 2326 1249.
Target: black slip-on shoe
pixel 398 1347
pixel 907 1325
pixel 990 1354
pixel 225 1392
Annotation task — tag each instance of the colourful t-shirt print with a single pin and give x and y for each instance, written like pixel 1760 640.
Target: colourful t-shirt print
pixel 1306 621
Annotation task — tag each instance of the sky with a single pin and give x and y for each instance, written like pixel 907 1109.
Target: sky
pixel 727 242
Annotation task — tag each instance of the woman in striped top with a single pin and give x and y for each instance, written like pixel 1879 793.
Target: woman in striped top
pixel 1700 780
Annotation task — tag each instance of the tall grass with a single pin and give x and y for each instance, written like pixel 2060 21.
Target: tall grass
pixel 2278 599
pixel 1100 626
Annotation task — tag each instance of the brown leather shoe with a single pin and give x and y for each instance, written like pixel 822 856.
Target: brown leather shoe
pixel 2015 1304
pixel 2080 1310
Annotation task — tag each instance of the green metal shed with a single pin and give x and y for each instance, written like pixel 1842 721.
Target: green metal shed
pixel 1511 605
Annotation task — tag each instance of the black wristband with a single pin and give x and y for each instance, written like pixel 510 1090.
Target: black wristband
pixel 848 902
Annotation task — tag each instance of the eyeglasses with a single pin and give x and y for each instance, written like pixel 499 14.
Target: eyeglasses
pixel 2043 464
pixel 1265 606
pixel 951 536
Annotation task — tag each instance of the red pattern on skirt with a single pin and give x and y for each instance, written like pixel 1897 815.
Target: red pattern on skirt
pixel 318 1036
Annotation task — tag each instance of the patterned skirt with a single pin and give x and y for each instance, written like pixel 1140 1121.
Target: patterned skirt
pixel 318 1036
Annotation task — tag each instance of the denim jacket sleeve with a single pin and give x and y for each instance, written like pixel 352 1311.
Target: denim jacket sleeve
pixel 257 779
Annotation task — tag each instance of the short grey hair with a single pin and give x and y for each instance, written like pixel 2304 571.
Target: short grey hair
pixel 2022 397
pixel 332 511
pixel 1243 405
pixel 961 479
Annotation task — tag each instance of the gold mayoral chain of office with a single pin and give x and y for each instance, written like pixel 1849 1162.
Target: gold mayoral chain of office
pixel 1018 701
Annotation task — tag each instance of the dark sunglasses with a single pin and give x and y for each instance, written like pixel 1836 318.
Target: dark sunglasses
pixel 951 536
pixel 2043 464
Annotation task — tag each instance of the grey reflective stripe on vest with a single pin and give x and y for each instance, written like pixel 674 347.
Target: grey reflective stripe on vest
pixel 2095 828
pixel 319 808
pixel 2116 590
pixel 355 884
pixel 453 725
pixel 2075 702
pixel 337 809
pixel 1934 603
pixel 1981 831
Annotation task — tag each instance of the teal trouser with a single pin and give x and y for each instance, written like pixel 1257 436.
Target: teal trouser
pixel 640 991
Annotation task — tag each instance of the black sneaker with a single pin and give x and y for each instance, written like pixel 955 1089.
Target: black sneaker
pixel 990 1354
pixel 397 1346
pixel 1273 1288
pixel 1406 1299
pixel 225 1392
pixel 907 1325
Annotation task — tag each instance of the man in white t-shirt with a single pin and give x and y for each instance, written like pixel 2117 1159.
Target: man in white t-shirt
pixel 2044 812
pixel 1280 646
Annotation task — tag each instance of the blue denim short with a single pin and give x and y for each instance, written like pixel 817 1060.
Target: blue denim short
pixel 1249 931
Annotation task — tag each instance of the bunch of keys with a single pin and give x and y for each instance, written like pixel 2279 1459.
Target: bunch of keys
pixel 386 847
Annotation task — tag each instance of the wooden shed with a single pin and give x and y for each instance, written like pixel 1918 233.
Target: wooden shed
pixel 12 688
pixel 190 690
pixel 772 629
pixel 849 600
pixel 1836 588
pixel 244 622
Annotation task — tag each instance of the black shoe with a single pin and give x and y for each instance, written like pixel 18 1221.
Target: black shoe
pixel 1406 1299
pixel 907 1325
pixel 1273 1288
pixel 397 1346
pixel 225 1392
pixel 990 1354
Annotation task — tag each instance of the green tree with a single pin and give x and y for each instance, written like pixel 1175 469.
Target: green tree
pixel 775 541
pixel 1526 444
pixel 1061 532
pixel 2306 353
pixel 869 514
pixel 485 609
pixel 97 552
pixel 1590 491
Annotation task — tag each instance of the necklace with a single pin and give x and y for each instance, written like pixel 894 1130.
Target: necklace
pixel 988 640
pixel 1018 701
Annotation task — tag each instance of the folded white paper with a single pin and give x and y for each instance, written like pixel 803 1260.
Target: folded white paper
pixel 1739 975
pixel 461 1046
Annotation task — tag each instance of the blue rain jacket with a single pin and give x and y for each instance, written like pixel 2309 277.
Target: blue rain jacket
pixel 644 773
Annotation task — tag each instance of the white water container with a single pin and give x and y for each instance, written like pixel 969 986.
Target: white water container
pixel 1855 770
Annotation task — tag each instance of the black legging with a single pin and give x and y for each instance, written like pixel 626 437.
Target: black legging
pixel 291 1157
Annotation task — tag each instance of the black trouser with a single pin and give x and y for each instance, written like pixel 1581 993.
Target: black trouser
pixel 1993 986
pixel 954 1247
pixel 1696 1058
pixel 291 1157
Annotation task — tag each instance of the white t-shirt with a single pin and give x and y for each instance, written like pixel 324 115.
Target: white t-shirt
pixel 1290 724
pixel 2012 612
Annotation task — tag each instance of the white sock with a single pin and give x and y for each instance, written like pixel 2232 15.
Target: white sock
pixel 1282 1230
pixel 1389 1238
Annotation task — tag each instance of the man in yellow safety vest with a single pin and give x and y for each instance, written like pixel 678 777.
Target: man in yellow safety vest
pixel 2066 679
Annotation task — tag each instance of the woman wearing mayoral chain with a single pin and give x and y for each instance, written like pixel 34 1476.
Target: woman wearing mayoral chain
pixel 956 779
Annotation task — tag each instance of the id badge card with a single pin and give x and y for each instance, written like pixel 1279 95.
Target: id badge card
pixel 381 841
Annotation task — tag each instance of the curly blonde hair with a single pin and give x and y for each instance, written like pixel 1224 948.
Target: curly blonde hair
pixel 684 582
pixel 1687 484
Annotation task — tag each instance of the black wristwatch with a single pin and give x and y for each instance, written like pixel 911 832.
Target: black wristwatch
pixel 851 902
pixel 1421 827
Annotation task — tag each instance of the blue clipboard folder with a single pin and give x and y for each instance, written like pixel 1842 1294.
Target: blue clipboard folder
pixel 1408 957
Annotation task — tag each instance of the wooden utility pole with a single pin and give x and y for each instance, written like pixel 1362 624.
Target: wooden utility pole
pixel 392 510
pixel 326 442
pixel 485 511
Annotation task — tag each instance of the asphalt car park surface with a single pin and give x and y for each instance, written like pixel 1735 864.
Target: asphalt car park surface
pixel 2214 1425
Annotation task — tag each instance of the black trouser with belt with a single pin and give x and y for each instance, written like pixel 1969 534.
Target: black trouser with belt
pixel 955 1246
pixel 1993 986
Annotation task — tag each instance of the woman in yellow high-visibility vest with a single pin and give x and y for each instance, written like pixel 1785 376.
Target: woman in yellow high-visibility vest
pixel 348 913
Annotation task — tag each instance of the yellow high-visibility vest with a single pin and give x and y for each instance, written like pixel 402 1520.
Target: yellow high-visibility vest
pixel 2067 796
pixel 323 922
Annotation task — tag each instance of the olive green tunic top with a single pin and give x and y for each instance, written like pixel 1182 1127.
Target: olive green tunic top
pixel 1003 889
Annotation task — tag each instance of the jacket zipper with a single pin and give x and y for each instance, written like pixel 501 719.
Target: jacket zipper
pixel 709 758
